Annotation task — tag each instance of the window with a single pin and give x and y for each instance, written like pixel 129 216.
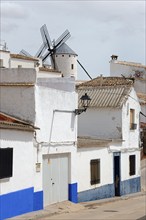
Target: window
pixel 1 63
pixel 72 66
pixel 133 126
pixel 6 162
pixel 95 171
pixel 132 165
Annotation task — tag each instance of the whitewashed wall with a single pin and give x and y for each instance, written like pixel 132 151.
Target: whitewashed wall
pixel 125 165
pixel 130 137
pixel 16 100
pixel 140 85
pixel 117 69
pixel 23 161
pixel 104 123
pixel 84 156
pixel 14 63
pixel 43 74
pixel 5 56
pixel 58 129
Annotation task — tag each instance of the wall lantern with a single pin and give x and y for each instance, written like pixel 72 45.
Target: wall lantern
pixel 85 102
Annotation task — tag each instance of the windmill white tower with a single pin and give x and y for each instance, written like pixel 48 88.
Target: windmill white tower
pixel 63 58
pixel 66 60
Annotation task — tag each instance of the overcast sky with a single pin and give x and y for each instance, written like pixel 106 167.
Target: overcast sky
pixel 98 29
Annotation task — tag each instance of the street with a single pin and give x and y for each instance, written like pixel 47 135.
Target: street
pixel 132 208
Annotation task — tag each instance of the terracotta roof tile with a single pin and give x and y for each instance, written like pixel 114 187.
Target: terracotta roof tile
pixel 22 57
pixel 106 81
pixel 130 64
pixel 142 98
pixel 45 69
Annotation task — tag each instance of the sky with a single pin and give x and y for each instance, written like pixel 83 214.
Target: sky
pixel 98 29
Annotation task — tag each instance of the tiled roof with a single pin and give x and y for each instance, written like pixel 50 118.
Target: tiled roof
pixel 22 57
pixel 10 122
pixel 106 96
pixel 142 98
pixel 130 64
pixel 45 69
pixel 106 81
pixel 87 142
pixel 5 51
pixel 16 84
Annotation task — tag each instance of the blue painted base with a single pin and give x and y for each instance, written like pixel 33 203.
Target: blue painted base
pixel 102 192
pixel 130 186
pixel 20 202
pixel 126 187
pixel 72 192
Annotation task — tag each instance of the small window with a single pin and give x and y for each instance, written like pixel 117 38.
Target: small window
pixel 19 66
pixel 95 171
pixel 133 126
pixel 1 63
pixel 6 162
pixel 62 55
pixel 132 165
pixel 72 66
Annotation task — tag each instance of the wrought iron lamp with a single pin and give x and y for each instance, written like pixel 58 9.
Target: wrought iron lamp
pixel 85 102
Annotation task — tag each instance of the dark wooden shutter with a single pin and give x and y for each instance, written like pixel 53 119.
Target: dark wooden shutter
pixel 95 171
pixel 6 162
pixel 132 165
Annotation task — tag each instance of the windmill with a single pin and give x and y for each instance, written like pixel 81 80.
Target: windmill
pixel 52 46
pixel 49 48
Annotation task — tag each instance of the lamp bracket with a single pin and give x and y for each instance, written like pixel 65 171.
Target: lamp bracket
pixel 80 110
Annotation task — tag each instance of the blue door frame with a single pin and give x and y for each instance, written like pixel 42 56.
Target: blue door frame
pixel 117 172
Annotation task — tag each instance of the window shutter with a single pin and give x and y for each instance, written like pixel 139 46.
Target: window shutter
pixel 6 162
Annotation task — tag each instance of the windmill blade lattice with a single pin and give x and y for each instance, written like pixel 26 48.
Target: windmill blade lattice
pixel 62 39
pixel 41 50
pixel 46 37
pixel 25 53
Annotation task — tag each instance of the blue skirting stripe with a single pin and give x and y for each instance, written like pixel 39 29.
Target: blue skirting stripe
pixel 38 201
pixel 101 192
pixel 130 186
pixel 72 192
pixel 126 187
pixel 20 202
pixel 16 203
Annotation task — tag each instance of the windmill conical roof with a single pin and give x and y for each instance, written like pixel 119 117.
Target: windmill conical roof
pixel 64 49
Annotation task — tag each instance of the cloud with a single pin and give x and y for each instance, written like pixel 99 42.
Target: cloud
pixel 11 10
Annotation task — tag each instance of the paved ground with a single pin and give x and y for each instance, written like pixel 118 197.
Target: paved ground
pixel 132 206
pixel 126 207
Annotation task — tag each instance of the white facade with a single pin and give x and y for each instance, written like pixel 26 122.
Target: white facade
pixel 49 106
pixel 22 144
pixel 107 136
pixel 66 64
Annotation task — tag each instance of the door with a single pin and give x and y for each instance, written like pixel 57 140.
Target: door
pixel 117 173
pixel 55 178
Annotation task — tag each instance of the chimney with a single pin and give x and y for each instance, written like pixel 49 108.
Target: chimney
pixel 101 80
pixel 114 57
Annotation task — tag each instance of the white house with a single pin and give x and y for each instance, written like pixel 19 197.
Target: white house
pixel 108 154
pixel 43 151
pixel 137 71
pixel 65 60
